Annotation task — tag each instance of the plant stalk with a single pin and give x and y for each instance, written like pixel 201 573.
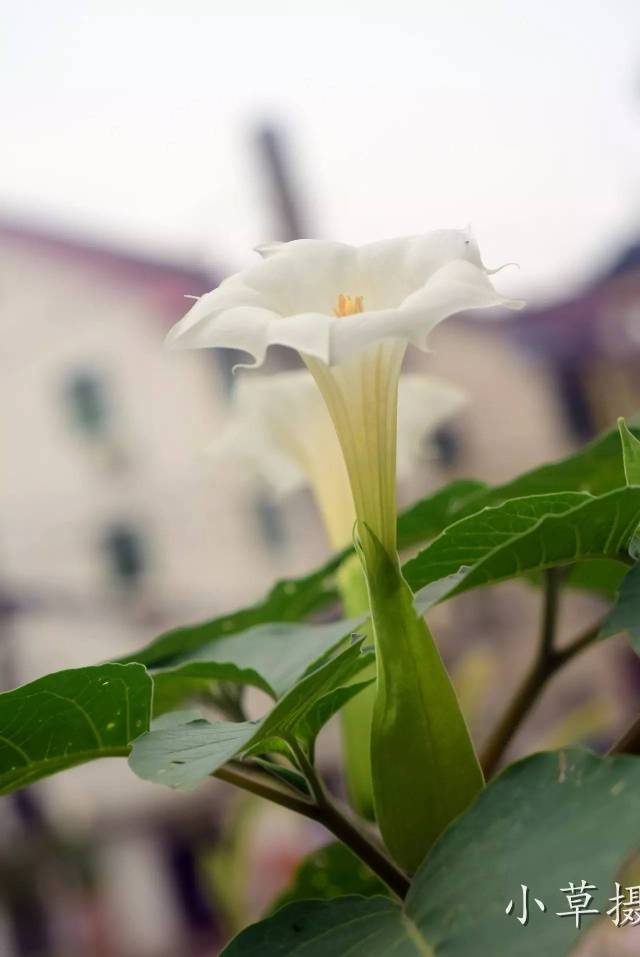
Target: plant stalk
pixel 326 812
pixel 548 661
pixel 357 714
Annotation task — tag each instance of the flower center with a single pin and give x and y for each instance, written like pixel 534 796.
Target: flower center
pixel 348 305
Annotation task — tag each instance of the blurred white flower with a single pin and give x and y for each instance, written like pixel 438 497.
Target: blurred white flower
pixel 350 312
pixel 281 433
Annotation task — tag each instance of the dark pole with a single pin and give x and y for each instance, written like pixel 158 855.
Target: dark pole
pixel 289 219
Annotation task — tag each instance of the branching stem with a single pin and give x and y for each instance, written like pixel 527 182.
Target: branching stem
pixel 548 661
pixel 325 811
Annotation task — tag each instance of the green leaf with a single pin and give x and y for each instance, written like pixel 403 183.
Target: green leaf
pixel 529 534
pixel 353 926
pixel 624 617
pixel 289 776
pixel 173 694
pixel 330 872
pixel 631 456
pixel 174 718
pixel 430 515
pixel 596 468
pixel 600 575
pixel 292 708
pixel 630 453
pixel 290 600
pixel 325 708
pixel 546 821
pixel 70 717
pixel 271 656
pixel 183 753
pixel 293 600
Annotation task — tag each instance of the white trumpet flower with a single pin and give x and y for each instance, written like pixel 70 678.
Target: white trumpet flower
pixel 350 312
pixel 281 433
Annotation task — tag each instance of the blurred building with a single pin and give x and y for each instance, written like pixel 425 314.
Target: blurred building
pixel 113 527
pixel 591 342
pixel 107 499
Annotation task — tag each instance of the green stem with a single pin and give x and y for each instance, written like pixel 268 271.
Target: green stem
pixel 357 714
pixel 316 785
pixel 326 812
pixel 548 661
pixel 341 826
pixel 262 785
pixel 550 612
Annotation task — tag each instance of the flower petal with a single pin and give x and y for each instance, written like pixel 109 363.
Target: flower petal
pixel 260 459
pixel 306 275
pixel 408 285
pixel 269 249
pixel 424 404
pixel 242 327
pixel 280 428
pixel 455 287
pixel 286 299
pixel 392 269
pixel 281 434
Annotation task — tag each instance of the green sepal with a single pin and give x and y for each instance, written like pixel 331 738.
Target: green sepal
pixel 424 768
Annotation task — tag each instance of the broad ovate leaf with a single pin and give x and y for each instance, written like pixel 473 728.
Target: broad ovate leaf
pixel 290 600
pixel 596 468
pixel 624 617
pixel 183 752
pixel 547 821
pixel 271 656
pixel 528 534
pixel 630 453
pixel 330 872
pixel 69 718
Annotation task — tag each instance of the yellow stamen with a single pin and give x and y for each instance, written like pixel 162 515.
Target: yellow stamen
pixel 348 305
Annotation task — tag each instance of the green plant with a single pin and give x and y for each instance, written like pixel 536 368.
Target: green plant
pixel 440 869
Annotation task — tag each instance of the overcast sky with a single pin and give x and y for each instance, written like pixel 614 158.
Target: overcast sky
pixel 521 117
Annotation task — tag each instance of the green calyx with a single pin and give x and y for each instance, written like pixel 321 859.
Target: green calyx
pixel 425 770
